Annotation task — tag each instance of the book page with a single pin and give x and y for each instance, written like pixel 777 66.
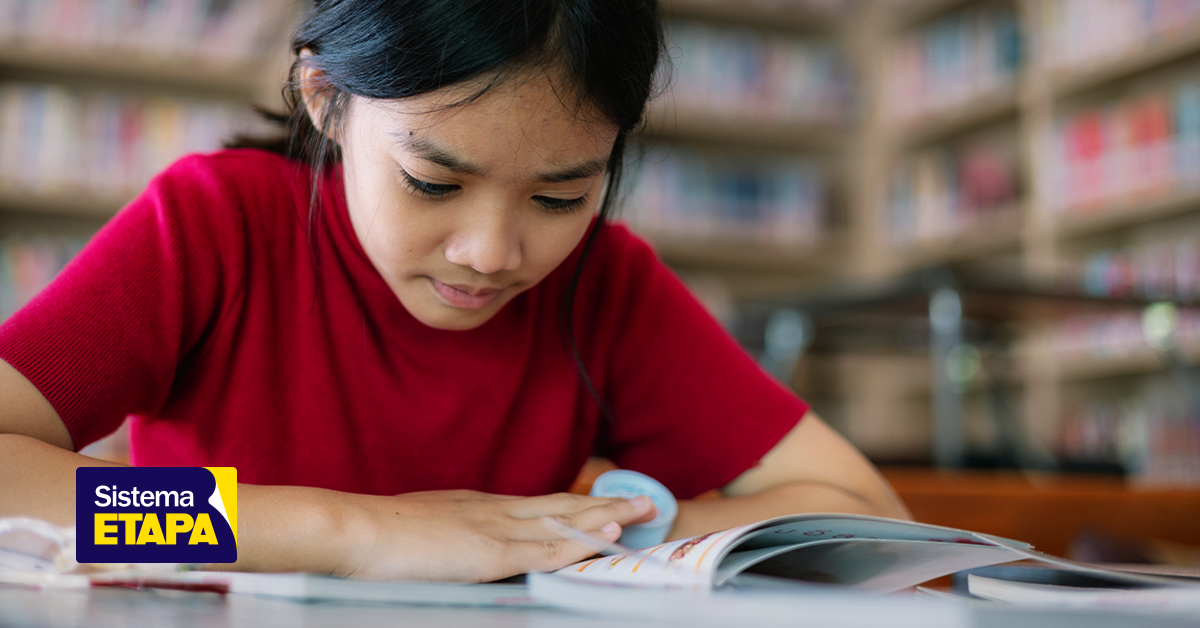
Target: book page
pixel 684 563
pixel 712 559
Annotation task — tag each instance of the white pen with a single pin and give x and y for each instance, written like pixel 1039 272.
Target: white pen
pixel 593 543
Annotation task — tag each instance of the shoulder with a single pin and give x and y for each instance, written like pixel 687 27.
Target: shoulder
pixel 229 189
pixel 238 174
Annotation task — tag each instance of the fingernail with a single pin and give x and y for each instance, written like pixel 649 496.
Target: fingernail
pixel 642 502
pixel 610 528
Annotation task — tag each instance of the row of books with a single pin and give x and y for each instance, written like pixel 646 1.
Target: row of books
pixel 1163 270
pixel 689 195
pixel 941 192
pixel 1139 147
pixel 742 74
pixel 214 32
pixel 57 140
pixel 1088 338
pixel 28 264
pixel 969 54
pixel 1083 33
pixel 1153 435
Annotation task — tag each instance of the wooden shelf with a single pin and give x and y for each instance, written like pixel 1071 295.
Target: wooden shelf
pixel 1076 223
pixel 980 110
pixel 1015 504
pixel 998 230
pixel 717 253
pixel 779 16
pixel 61 203
pixel 913 12
pixel 669 124
pixel 239 79
pixel 1079 368
pixel 1154 52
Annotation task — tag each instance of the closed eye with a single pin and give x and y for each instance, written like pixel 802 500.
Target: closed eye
pixel 426 189
pixel 561 205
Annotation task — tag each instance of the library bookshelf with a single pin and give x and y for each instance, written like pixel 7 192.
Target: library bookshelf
pixel 847 143
pixel 1037 234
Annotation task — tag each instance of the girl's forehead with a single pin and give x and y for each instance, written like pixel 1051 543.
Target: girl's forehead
pixel 521 119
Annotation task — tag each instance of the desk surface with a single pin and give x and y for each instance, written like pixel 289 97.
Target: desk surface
pixel 101 608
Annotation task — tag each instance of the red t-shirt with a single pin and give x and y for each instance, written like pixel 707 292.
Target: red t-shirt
pixel 203 310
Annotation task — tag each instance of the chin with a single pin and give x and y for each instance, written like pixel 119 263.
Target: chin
pixel 450 319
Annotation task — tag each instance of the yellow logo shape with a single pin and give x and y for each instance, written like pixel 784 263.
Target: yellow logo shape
pixel 225 497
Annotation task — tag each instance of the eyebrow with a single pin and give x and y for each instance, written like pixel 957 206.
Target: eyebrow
pixel 435 154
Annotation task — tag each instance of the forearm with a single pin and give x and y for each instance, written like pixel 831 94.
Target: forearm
pixel 37 479
pixel 708 515
pixel 280 528
pixel 293 528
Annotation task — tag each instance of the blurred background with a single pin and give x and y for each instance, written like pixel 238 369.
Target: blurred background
pixel 968 231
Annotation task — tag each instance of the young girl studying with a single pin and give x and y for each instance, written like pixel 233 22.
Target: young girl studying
pixel 410 322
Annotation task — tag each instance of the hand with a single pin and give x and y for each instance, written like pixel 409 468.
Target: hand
pixel 469 536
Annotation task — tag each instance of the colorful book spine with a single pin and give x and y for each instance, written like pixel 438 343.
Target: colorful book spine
pixel 943 192
pixel 59 140
pixel 1166 270
pixel 1084 33
pixel 686 195
pixel 1153 434
pixel 1137 148
pixel 740 74
pixel 213 32
pixel 972 53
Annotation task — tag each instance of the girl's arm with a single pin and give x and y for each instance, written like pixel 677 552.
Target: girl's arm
pixel 438 535
pixel 813 469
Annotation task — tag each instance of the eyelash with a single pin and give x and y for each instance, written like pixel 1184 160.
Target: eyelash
pixel 423 188
pixel 437 191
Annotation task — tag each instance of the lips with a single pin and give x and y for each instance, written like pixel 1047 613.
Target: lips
pixel 463 296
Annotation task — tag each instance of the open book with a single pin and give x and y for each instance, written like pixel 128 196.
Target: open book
pixel 868 553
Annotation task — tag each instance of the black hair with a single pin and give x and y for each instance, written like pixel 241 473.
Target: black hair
pixel 604 52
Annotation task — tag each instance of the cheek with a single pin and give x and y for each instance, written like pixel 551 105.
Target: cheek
pixel 557 239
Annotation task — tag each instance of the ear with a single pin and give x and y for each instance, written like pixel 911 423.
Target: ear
pixel 316 92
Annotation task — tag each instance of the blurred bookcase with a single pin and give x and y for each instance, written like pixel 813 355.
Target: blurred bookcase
pixel 1053 143
pixel 98 96
pixel 797 145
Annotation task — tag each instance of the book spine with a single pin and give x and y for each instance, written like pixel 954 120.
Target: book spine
pixel 687 195
pixel 942 192
pixel 58 141
pixel 970 54
pixel 734 74
pixel 1084 33
pixel 1139 148
pixel 211 31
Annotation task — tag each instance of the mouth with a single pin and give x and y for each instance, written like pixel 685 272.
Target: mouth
pixel 464 296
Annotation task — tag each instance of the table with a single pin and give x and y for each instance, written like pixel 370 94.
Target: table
pixel 104 607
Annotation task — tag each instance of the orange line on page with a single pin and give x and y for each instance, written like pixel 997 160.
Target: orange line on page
pixel 586 565
pixel 639 564
pixel 714 543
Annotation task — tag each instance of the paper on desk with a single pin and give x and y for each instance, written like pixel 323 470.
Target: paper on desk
pixel 788 605
pixel 1165 599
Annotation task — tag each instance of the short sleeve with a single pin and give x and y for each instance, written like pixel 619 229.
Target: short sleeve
pixel 107 337
pixel 689 406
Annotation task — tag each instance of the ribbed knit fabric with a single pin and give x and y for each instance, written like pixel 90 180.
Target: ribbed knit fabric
pixel 203 310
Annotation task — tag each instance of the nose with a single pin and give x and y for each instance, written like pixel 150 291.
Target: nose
pixel 488 243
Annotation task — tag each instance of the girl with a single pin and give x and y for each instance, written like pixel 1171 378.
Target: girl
pixel 410 324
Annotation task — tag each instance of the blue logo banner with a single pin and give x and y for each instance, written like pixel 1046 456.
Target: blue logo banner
pixel 156 514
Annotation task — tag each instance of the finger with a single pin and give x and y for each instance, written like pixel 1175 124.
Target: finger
pixel 554 554
pixel 590 520
pixel 556 504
